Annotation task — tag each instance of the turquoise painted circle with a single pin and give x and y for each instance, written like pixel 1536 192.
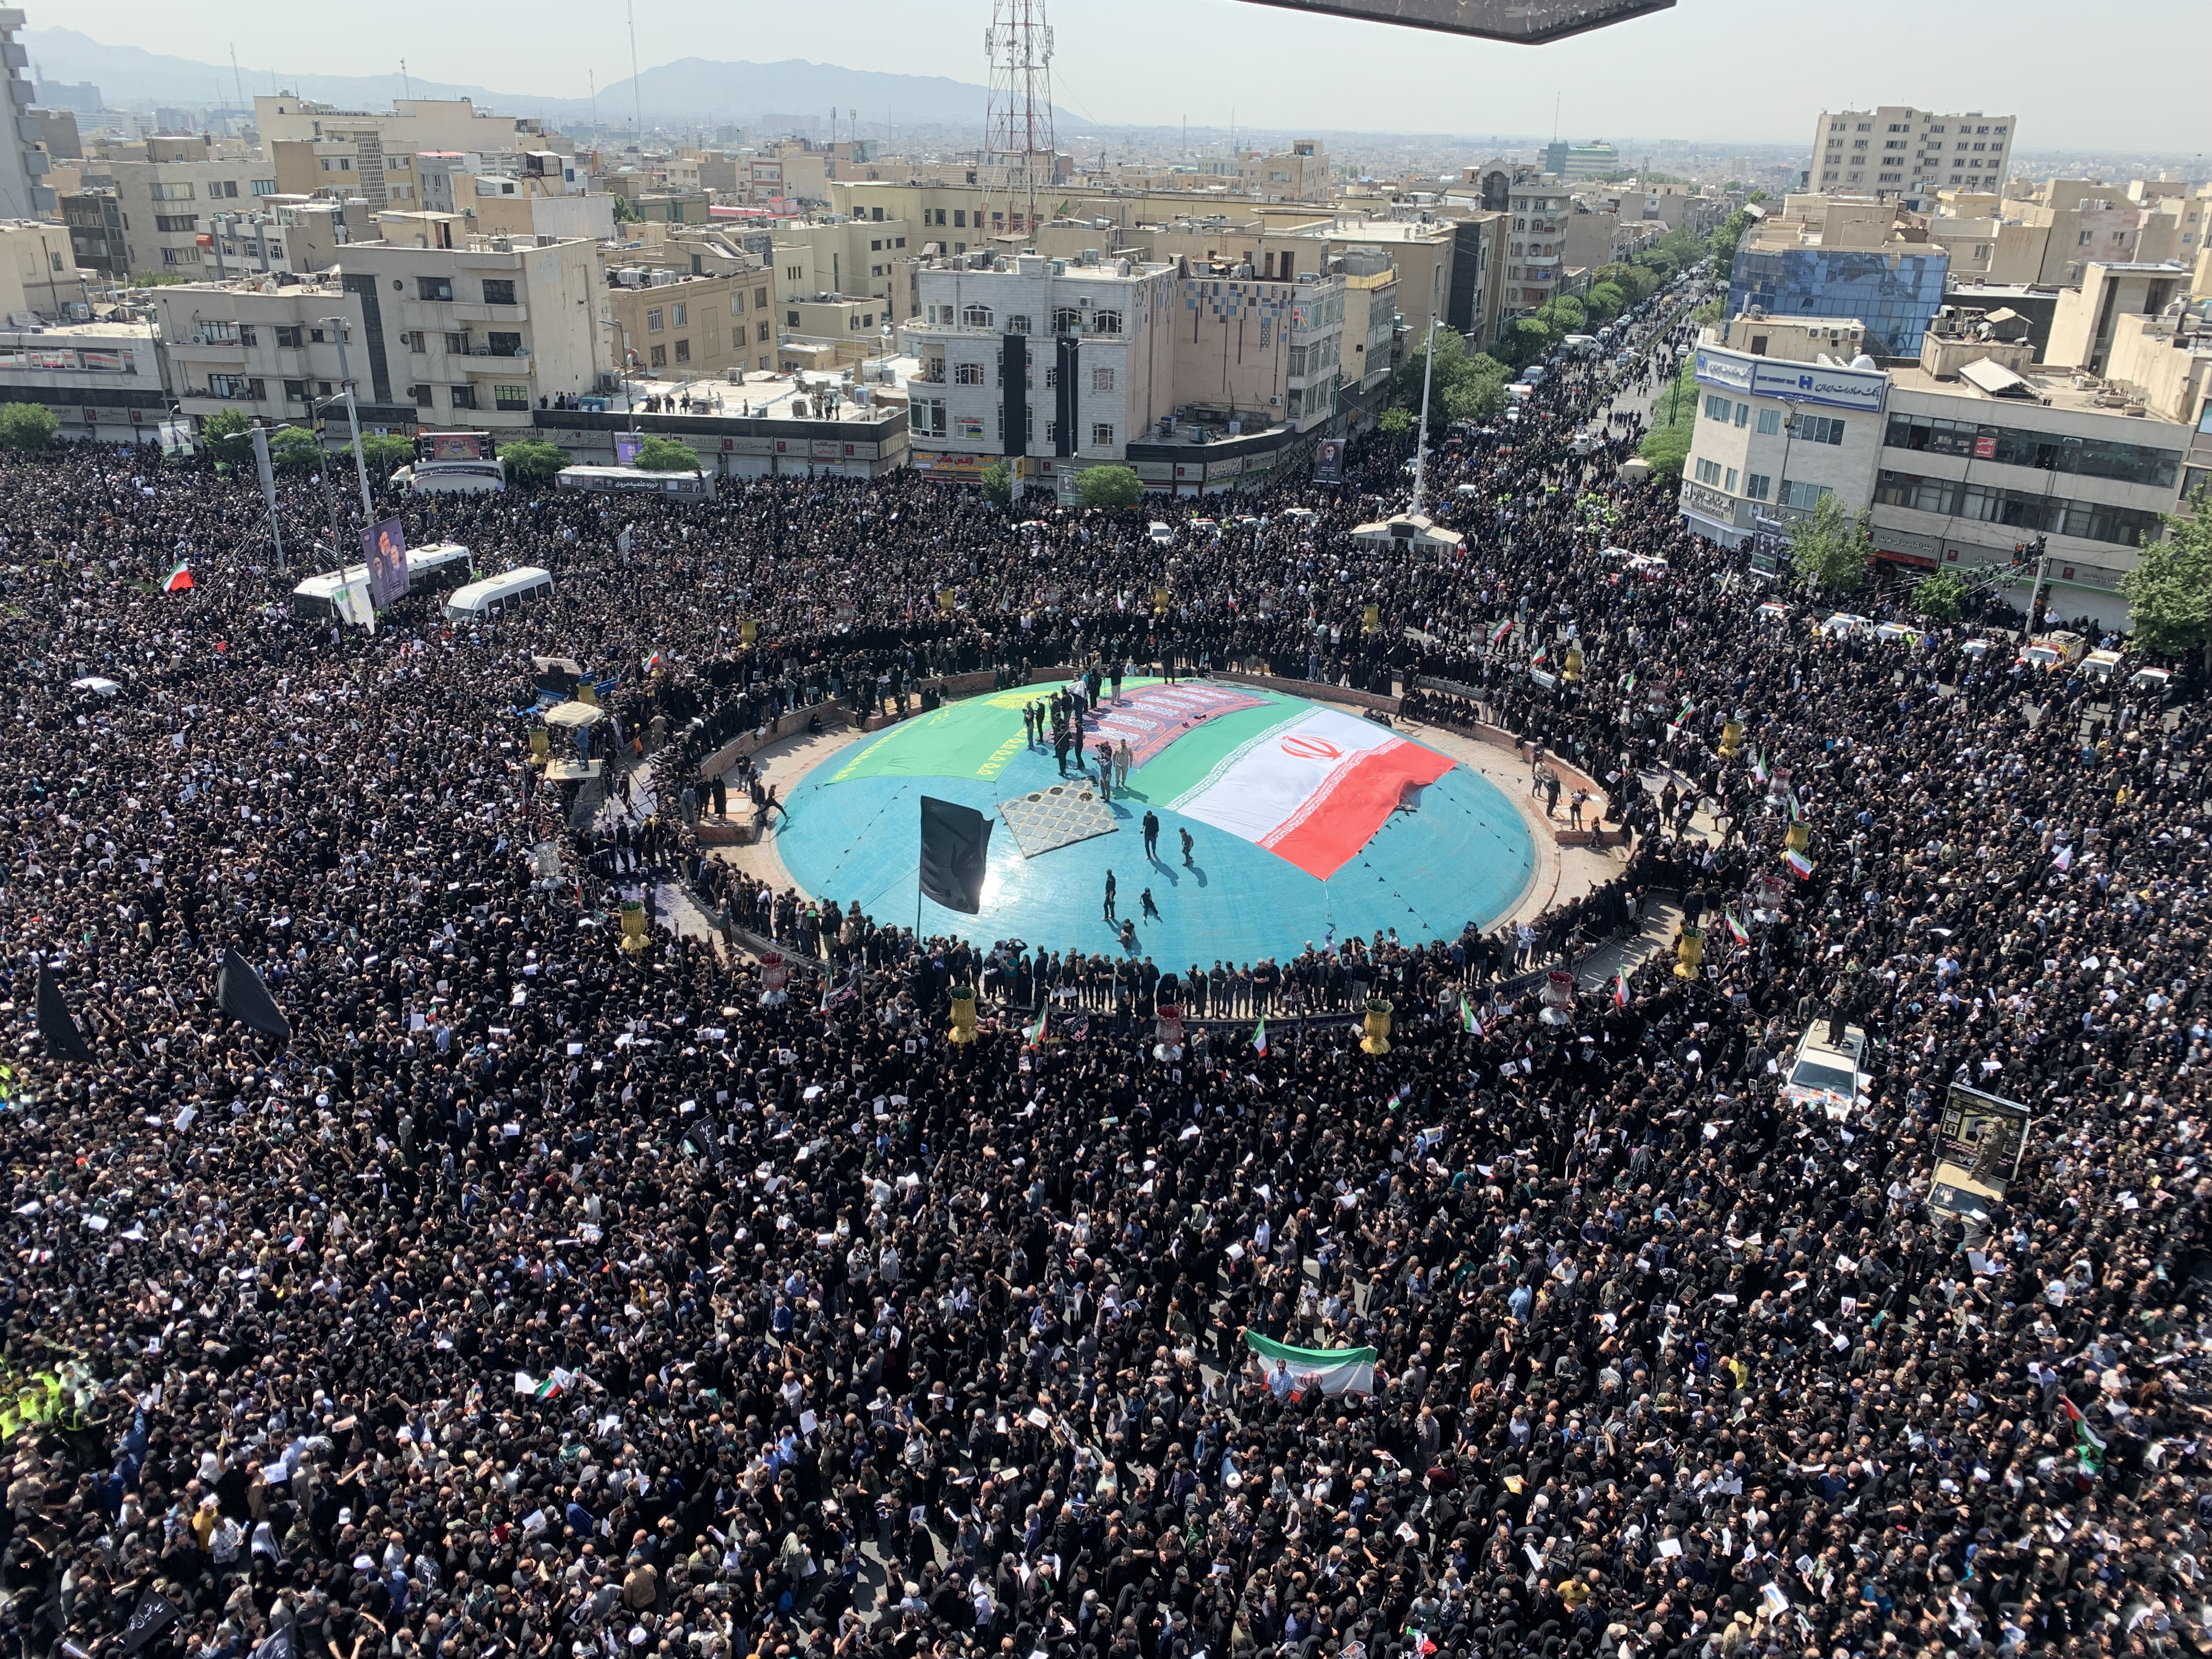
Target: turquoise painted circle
pixel 1461 854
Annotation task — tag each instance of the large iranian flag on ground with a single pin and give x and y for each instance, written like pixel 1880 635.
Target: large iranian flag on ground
pixel 1330 1370
pixel 1313 791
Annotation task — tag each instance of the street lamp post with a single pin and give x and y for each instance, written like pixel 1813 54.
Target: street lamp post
pixel 336 325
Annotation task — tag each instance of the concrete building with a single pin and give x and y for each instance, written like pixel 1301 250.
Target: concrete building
pixel 1371 330
pixel 679 326
pixel 278 236
pixel 1969 459
pixel 1906 154
pixel 266 349
pixel 1853 256
pixel 379 141
pixel 102 381
pixel 1595 160
pixel 1052 364
pixel 94 219
pixel 476 331
pixel 25 192
pixel 166 206
pixel 39 277
pixel 1302 173
pixel 56 133
pixel 833 256
pixel 1535 249
pixel 2087 317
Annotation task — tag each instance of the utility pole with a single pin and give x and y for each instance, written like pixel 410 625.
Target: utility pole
pixel 1421 441
pixel 336 325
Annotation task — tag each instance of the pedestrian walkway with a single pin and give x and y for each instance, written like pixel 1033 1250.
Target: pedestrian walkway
pixel 1656 931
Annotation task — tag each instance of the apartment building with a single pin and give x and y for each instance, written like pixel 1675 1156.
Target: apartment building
pixel 1964 459
pixel 1065 361
pixel 293 236
pixel 682 326
pixel 410 127
pixel 267 348
pixel 39 277
pixel 1596 159
pixel 1302 173
pixel 95 221
pixel 165 206
pixel 1371 323
pixel 476 331
pixel 24 191
pixel 1906 154
pixel 1248 352
pixel 1536 247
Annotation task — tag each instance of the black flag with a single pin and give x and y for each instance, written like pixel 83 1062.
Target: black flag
pixel 956 844
pixel 277 1644
pixel 149 1619
pixel 247 999
pixel 64 1040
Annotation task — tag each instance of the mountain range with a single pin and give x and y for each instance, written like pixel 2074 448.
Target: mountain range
pixel 690 88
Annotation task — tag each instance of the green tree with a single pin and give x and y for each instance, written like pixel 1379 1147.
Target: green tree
pixel 624 213
pixel 1466 386
pixel 1666 446
pixel 533 460
pixel 1941 597
pixel 296 448
pixel 1831 547
pixel 998 482
pixel 1721 245
pixel 1605 301
pixel 386 452
pixel 1564 315
pixel 26 426
pixel 2169 593
pixel 667 455
pixel 1109 486
pixel 1396 422
pixel 228 434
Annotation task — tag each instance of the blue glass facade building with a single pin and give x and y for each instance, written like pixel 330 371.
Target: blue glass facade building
pixel 1895 294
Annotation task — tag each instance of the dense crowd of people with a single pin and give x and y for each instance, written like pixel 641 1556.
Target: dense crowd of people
pixel 545 1298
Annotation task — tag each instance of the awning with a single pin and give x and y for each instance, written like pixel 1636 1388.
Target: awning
pixel 573 714
pixel 565 665
pixel 1410 529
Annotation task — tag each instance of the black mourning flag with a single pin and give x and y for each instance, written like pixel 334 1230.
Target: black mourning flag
pixel 149 1619
pixel 247 999
pixel 956 844
pixel 64 1041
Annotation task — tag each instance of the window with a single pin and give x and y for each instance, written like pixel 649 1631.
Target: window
pixel 1017 324
pixel 1101 435
pixel 960 218
pixel 1743 414
pixel 1066 319
pixel 1709 472
pixel 502 344
pixel 499 290
pixel 679 316
pixel 1770 423
pixel 225 189
pixel 660 357
pixel 975 317
pixel 1806 496
pixel 1756 485
pixel 737 303
pixel 1717 407
pixel 652 320
pixel 461 397
pixel 968 374
pixel 684 351
pixel 1730 485
pixel 263 186
pixel 791 319
pixel 1102 380
pixel 180 256
pixel 235 385
pixel 1105 322
pixel 170 192
pixel 421 395
pixel 296 391
pixel 510 396
pixel 290 334
pixel 1820 429
pixel 176 222
pixel 434 287
pixel 413 339
pixel 760 335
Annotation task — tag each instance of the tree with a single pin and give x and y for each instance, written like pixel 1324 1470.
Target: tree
pixel 533 460
pixel 667 455
pixel 1605 301
pixel 1395 423
pixel 1831 547
pixel 1666 448
pixel 1721 245
pixel 998 482
pixel 1109 486
pixel 2169 593
pixel 386 454
pixel 626 213
pixel 26 426
pixel 296 448
pixel 1466 386
pixel 1941 597
pixel 227 434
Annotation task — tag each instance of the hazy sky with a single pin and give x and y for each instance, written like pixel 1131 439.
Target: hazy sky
pixel 1708 69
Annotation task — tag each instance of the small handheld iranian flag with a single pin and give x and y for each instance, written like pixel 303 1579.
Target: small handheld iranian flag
pixel 1497 633
pixel 2087 1442
pixel 1736 931
pixel 1619 989
pixel 1260 1036
pixel 1466 1019
pixel 1800 865
pixel 1034 1036
pixel 181 578
pixel 1759 766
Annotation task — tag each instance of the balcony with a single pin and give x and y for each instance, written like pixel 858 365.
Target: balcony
pixel 465 311
pixel 483 360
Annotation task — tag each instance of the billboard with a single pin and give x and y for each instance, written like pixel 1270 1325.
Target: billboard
pixel 1794 382
pixel 452 447
pixel 384 550
pixel 1328 458
pixel 626 444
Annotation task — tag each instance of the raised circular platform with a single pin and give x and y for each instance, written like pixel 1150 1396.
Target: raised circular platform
pixel 1309 823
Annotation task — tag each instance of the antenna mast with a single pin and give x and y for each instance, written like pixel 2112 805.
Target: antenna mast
pixel 1019 143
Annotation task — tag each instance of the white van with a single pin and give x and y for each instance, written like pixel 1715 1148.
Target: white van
pixel 1160 533
pixel 494 595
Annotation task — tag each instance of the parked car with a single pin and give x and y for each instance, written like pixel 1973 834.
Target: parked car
pixel 1828 1075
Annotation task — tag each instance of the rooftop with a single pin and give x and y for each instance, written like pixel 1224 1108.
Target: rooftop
pixel 2050 390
